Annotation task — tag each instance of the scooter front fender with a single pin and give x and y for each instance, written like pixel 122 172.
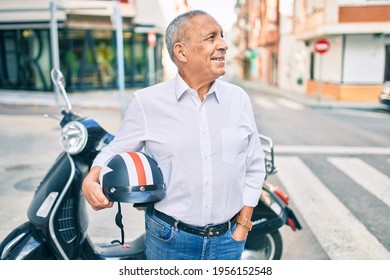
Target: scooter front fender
pixel 23 243
pixel 56 180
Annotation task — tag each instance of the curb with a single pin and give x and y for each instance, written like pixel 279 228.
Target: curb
pixel 311 100
pixel 109 99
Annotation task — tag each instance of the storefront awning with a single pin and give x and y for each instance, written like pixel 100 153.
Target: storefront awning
pixel 73 13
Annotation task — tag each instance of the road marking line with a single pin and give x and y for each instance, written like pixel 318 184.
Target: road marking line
pixel 365 175
pixel 264 103
pixel 338 231
pixel 290 104
pixel 369 114
pixel 332 150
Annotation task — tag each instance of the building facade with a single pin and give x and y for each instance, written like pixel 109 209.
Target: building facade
pixel 358 60
pixel 87 46
pixel 257 39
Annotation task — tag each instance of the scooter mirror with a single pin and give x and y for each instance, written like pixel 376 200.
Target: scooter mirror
pixel 57 77
pixel 59 80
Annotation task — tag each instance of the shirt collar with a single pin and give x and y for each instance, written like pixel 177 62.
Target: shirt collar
pixel 181 87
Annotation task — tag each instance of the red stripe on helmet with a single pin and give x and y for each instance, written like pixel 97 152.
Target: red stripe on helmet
pixel 139 168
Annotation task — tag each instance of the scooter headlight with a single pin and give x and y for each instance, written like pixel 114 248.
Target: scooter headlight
pixel 74 137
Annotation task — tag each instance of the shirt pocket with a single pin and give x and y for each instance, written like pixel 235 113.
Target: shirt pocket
pixel 234 143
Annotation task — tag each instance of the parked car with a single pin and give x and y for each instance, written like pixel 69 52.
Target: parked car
pixel 384 98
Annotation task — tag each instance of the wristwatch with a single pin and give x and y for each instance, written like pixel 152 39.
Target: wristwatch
pixel 244 222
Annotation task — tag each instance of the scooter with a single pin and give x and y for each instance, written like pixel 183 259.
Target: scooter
pixel 272 212
pixel 57 215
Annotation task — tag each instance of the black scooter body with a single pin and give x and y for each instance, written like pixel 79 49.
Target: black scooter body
pixel 270 214
pixel 57 230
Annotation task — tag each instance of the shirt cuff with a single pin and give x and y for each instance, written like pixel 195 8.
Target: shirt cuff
pixel 252 196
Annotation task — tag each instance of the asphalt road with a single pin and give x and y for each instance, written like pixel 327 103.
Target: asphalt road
pixel 333 162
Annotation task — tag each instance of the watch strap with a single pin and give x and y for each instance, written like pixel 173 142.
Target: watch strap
pixel 244 222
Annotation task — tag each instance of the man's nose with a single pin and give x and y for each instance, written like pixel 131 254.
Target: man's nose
pixel 222 46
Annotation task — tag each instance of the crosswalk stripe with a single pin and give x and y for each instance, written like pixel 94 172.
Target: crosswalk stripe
pixel 341 235
pixel 276 103
pixel 365 175
pixel 290 104
pixel 312 149
pixel 264 103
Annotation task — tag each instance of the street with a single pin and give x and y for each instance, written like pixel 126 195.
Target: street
pixel 333 163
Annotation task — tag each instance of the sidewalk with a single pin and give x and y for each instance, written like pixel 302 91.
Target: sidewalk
pixel 311 100
pixel 111 99
pixel 106 99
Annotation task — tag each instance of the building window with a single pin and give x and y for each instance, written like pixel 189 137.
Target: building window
pixel 24 59
pixel 387 63
pixel 312 66
pixel 87 59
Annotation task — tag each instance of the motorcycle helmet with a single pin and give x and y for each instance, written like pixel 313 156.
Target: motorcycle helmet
pixel 132 177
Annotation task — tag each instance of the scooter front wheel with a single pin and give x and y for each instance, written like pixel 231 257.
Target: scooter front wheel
pixel 269 247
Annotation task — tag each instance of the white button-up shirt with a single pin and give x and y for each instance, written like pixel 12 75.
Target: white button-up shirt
pixel 209 152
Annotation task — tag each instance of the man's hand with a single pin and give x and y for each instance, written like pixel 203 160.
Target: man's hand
pixel 240 233
pixel 93 191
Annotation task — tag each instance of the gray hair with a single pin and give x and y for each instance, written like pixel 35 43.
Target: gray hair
pixel 177 30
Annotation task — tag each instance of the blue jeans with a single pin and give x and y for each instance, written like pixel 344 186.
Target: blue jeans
pixel 164 242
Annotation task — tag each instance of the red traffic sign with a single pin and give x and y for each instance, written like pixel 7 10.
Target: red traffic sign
pixel 321 46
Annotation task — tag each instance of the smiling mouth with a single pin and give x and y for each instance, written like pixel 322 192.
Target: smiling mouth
pixel 218 59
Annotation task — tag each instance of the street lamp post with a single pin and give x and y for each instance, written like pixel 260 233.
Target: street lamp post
pixel 55 57
pixel 120 56
pixel 117 21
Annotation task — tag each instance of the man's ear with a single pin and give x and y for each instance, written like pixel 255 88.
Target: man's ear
pixel 180 52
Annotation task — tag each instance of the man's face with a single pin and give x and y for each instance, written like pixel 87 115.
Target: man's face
pixel 206 49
